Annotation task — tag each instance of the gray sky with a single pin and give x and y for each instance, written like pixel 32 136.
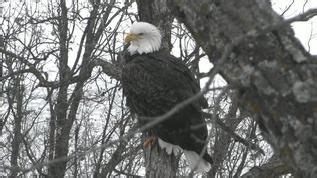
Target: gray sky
pixel 303 30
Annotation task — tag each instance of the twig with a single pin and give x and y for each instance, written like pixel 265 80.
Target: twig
pixel 234 135
pixel 204 150
pixel 288 7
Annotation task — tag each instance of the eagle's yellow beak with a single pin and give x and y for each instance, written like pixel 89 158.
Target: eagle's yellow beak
pixel 131 37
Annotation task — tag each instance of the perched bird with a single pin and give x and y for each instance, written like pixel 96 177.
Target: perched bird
pixel 154 82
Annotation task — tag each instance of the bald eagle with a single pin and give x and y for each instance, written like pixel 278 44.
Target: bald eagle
pixel 154 82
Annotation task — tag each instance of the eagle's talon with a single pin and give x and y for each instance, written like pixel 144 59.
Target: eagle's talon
pixel 149 141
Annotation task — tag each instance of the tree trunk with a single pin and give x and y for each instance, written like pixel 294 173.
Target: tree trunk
pixel 157 162
pixel 158 14
pixel 262 59
pixel 17 96
pixel 52 126
pixel 66 107
pixel 1 73
pixel 62 124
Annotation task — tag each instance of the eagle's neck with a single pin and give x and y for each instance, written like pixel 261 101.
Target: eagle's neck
pixel 130 57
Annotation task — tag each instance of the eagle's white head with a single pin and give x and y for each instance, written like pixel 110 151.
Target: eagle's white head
pixel 143 38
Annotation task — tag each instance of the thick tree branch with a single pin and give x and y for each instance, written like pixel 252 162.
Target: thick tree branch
pixel 270 68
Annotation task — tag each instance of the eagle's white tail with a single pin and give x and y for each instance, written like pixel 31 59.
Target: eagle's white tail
pixel 192 157
pixel 195 161
pixel 170 148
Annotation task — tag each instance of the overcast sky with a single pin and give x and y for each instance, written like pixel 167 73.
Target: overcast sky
pixel 303 30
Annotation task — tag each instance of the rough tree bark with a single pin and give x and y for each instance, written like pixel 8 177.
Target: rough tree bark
pixel 158 163
pixel 265 62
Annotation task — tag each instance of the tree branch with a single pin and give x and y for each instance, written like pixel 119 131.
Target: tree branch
pixel 269 67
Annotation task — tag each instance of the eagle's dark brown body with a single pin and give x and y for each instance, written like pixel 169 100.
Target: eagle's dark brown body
pixel 153 84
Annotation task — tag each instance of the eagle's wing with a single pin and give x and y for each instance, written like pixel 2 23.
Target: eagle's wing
pixel 159 77
pixel 154 84
pixel 185 74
